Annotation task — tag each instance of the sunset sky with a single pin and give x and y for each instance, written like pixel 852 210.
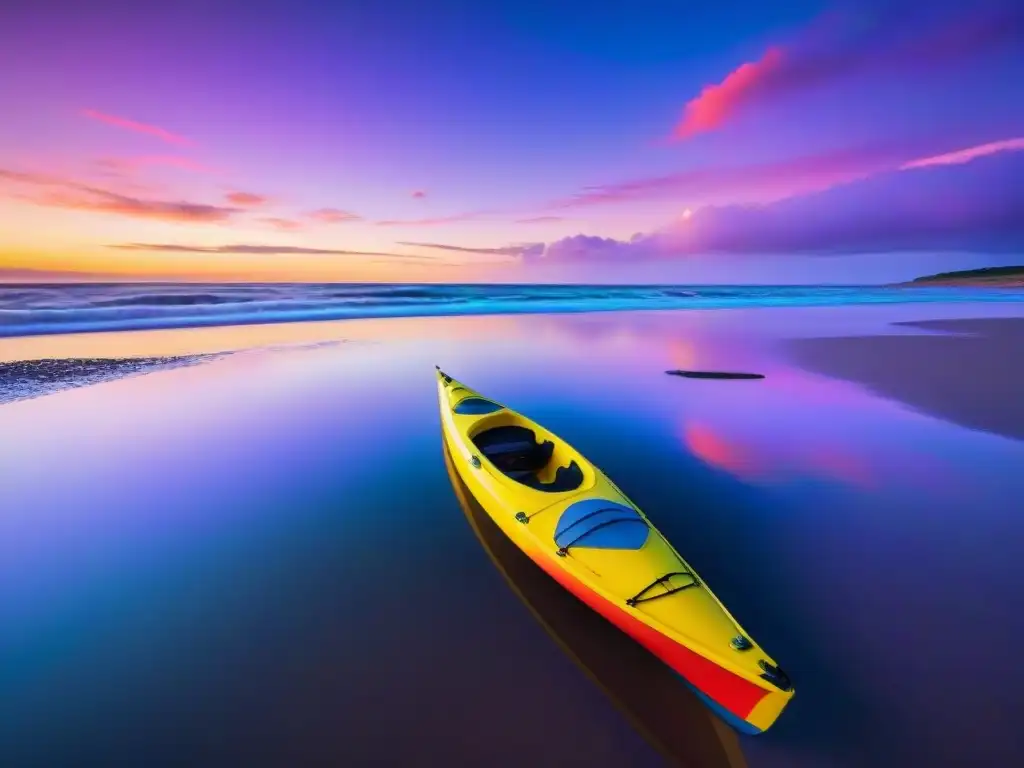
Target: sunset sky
pixel 451 141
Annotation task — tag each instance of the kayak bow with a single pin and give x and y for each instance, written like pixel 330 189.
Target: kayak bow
pixel 574 523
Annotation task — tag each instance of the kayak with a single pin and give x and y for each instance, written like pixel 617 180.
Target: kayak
pixel 655 700
pixel 574 522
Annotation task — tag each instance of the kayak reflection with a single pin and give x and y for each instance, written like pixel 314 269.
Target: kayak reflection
pixel 654 699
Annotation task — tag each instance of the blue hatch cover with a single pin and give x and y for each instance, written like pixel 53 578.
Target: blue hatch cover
pixel 600 524
pixel 476 406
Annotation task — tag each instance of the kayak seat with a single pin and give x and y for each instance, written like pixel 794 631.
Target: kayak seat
pixel 515 452
pixel 566 479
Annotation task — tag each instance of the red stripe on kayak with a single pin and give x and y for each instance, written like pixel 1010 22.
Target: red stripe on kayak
pixel 737 695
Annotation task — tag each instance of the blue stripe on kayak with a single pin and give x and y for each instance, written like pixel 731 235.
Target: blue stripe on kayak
pixel 737 723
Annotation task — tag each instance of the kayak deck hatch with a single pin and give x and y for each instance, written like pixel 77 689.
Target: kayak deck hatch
pixel 600 524
pixel 475 406
pixel 515 452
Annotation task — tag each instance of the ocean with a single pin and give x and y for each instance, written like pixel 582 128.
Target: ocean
pixel 49 309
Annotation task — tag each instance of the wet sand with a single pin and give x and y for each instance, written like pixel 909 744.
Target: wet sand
pixel 60 366
pixel 970 372
pixel 25 379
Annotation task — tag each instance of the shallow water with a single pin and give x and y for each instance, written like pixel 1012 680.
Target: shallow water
pixel 261 559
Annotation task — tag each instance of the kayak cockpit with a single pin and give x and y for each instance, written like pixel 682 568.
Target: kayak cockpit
pixel 515 452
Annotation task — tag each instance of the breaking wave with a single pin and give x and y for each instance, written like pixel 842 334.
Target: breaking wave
pixel 49 309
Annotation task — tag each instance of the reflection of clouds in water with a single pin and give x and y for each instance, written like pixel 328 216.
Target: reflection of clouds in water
pixel 757 458
pixel 713 448
pixel 788 438
pixel 300 346
pixel 682 354
pixel 787 426
pixel 841 465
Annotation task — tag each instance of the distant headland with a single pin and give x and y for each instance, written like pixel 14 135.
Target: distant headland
pixel 994 277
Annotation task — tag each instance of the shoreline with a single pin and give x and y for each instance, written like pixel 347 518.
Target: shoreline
pixel 963 283
pixel 986 277
pixel 874 355
pixel 28 379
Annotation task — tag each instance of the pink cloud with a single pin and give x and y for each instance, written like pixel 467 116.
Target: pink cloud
pixel 24 177
pixel 131 125
pixel 65 193
pixel 101 201
pixel 419 194
pixel 130 164
pixel 843 47
pixel 718 103
pixel 966 155
pixel 259 249
pixel 540 219
pixel 520 249
pixel 246 199
pixel 431 222
pixel 759 182
pixel 333 216
pixel 284 225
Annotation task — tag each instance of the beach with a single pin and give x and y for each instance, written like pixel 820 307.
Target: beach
pixel 259 557
pixel 967 373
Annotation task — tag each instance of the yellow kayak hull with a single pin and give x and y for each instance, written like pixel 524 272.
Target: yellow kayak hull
pixel 574 523
pixel 658 704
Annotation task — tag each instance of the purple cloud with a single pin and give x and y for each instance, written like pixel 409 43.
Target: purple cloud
pixel 976 205
pixel 759 182
pixel 283 250
pixel 525 250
